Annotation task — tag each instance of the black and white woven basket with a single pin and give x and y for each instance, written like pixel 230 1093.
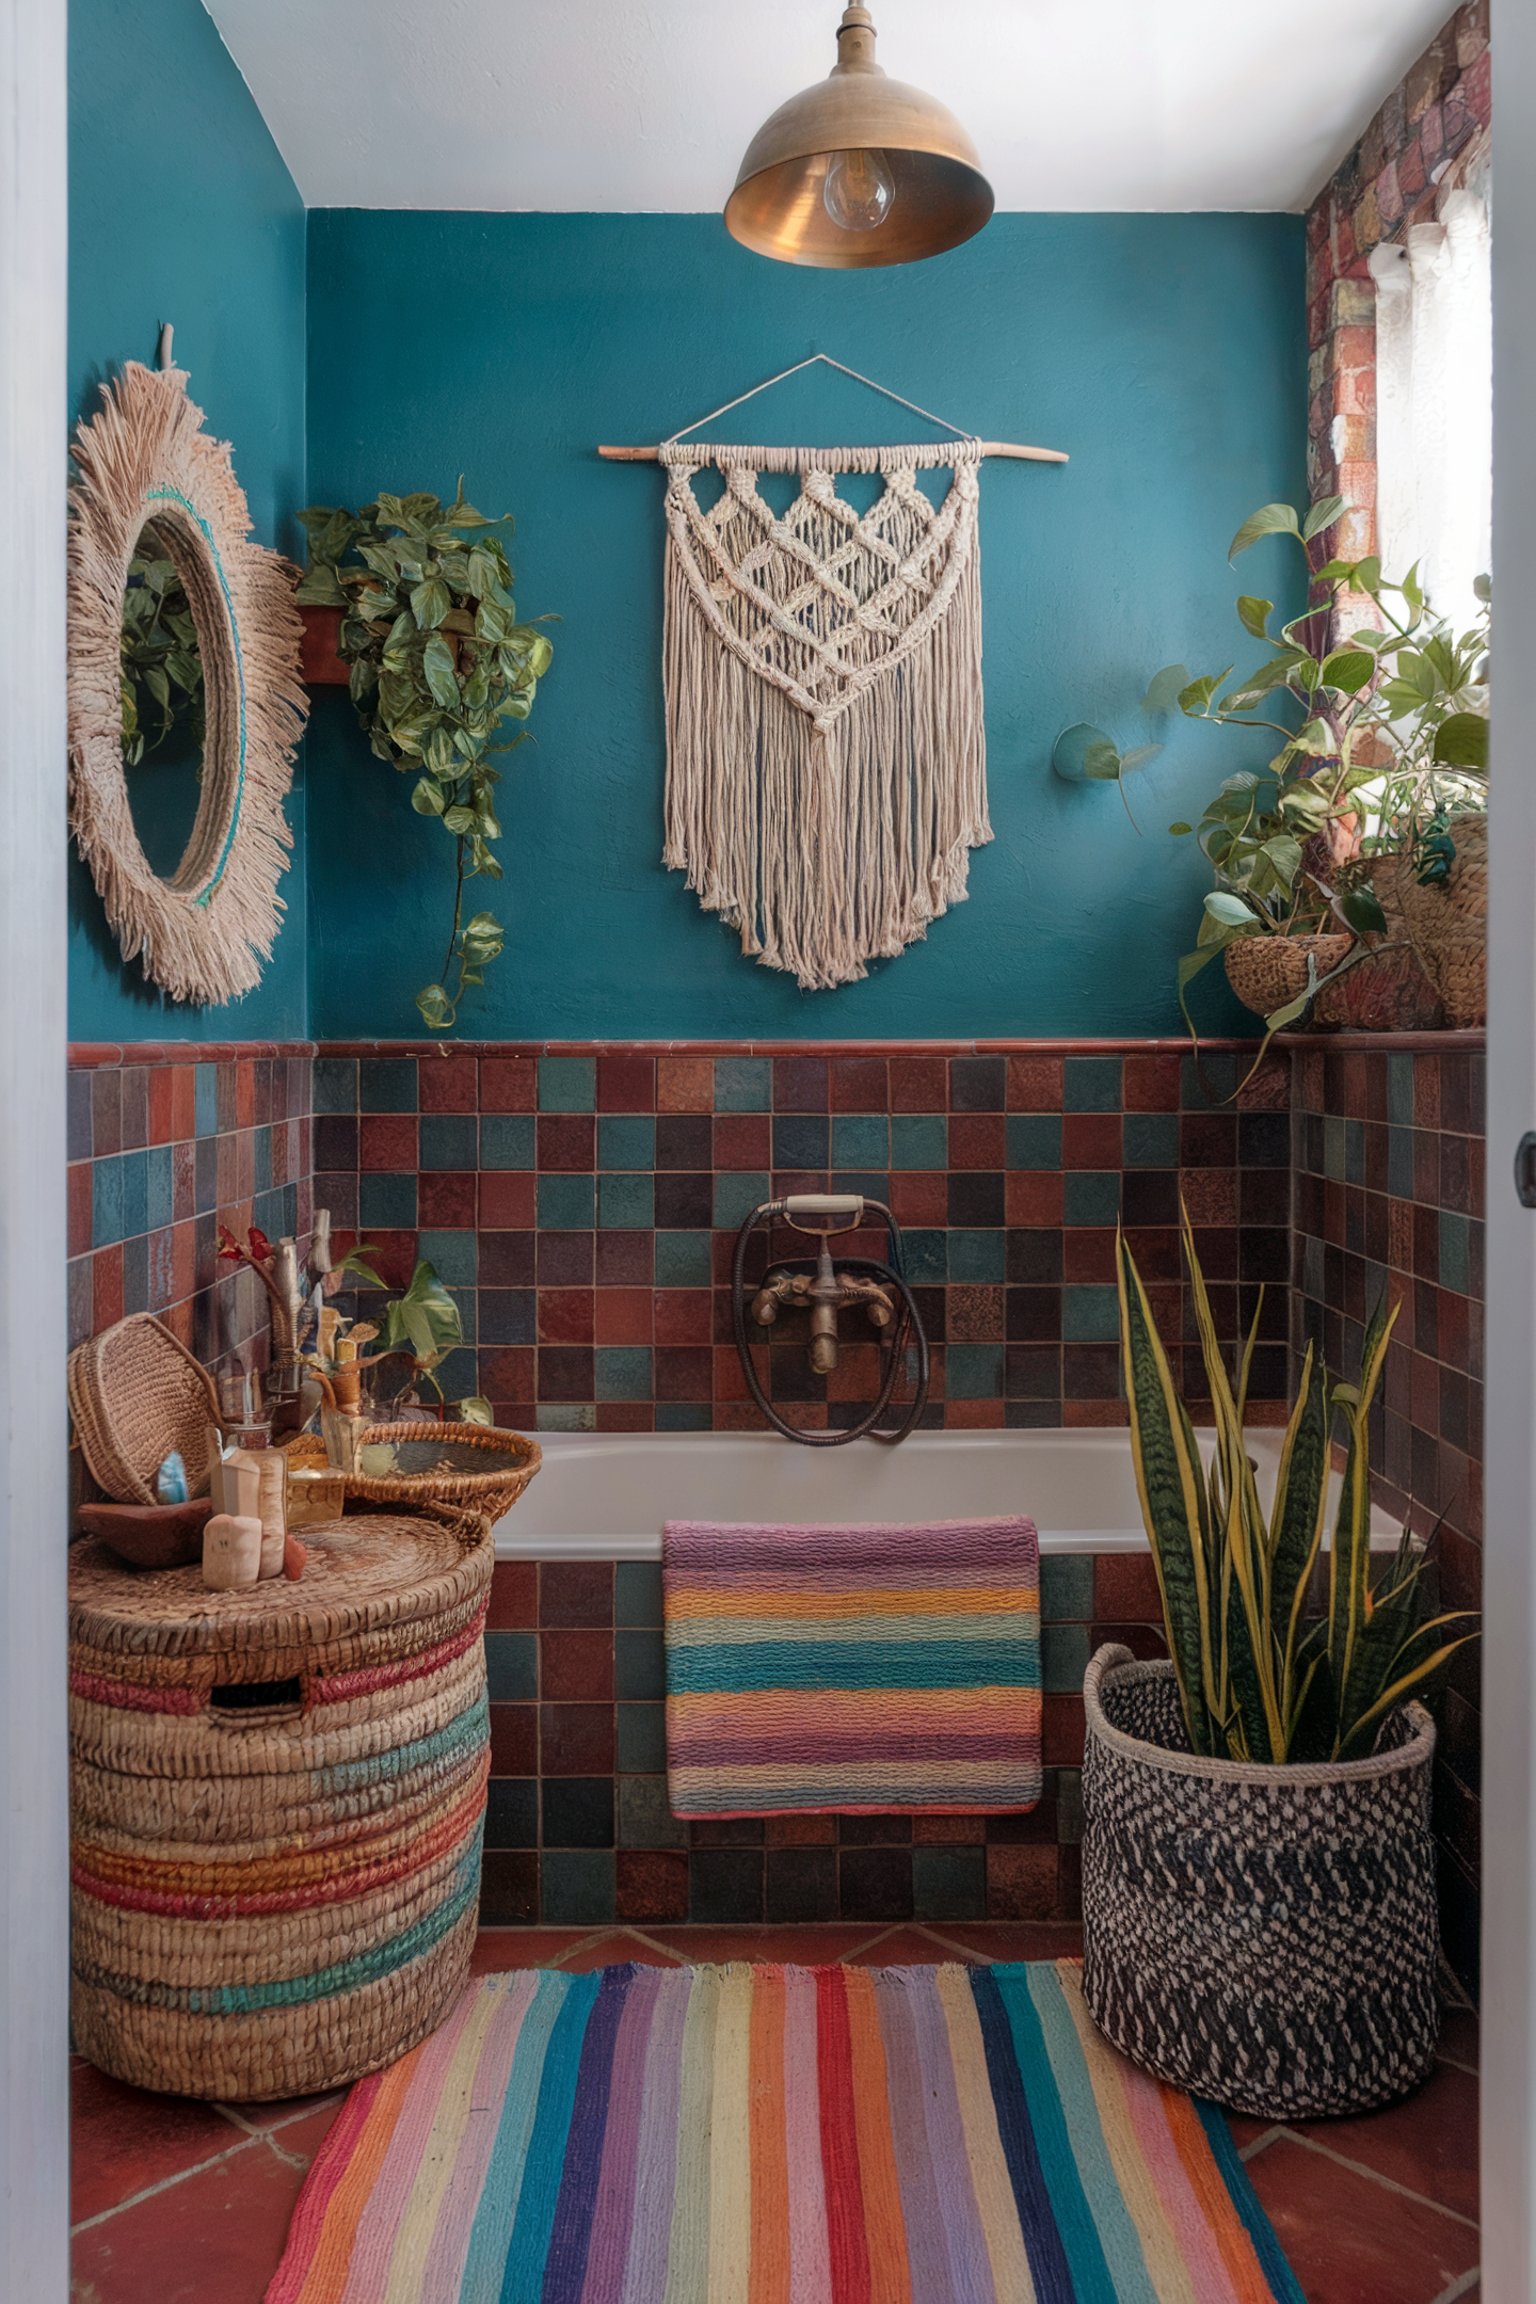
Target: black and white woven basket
pixel 1267 1937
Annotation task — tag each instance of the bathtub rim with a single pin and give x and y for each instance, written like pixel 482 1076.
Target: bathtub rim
pixel 645 1544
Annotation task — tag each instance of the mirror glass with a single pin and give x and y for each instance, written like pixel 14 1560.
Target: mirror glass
pixel 162 692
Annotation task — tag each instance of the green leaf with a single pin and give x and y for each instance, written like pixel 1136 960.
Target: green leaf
pixel 1180 829
pixel 441 678
pixel 1348 669
pixel 1230 911
pixel 1462 742
pixel 427 797
pixel 1254 615
pixel 1075 747
pixel 1165 688
pixel 476 1410
pixel 1195 697
pixel 320 587
pixel 1322 515
pixel 1269 520
pixel 430 603
pixel 1361 908
pixel 436 1007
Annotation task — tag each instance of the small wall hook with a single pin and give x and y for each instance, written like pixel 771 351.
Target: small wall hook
pixel 164 354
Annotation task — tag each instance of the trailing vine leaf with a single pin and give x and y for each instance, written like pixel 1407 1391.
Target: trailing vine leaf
pixel 441 674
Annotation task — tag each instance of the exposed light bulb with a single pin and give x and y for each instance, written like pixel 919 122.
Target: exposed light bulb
pixel 859 190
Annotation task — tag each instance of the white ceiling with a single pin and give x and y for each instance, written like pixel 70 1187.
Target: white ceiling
pixel 636 104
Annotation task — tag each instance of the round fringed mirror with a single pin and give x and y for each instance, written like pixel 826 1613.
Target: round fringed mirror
pixel 185 698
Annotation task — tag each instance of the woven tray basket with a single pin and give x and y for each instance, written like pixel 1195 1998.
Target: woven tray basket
pixel 135 1393
pixel 1388 991
pixel 473 1466
pixel 1267 971
pixel 277 1801
pixel 1266 1937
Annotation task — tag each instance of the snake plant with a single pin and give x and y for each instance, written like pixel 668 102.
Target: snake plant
pixel 1258 1678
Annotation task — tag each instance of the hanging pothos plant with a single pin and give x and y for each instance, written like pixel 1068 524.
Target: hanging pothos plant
pixel 442 675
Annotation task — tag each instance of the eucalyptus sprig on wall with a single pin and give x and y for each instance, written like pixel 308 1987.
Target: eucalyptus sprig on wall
pixel 442 675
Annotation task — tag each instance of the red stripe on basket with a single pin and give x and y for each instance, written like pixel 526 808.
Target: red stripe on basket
pixel 337 1687
pixel 454 1828
pixel 129 1696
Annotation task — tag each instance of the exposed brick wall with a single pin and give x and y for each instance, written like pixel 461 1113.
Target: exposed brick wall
pixel 1413 149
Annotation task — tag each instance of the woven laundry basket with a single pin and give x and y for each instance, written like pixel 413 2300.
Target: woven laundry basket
pixel 1264 1936
pixel 278 1800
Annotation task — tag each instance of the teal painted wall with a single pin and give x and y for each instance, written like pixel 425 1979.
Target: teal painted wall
pixel 180 209
pixel 1167 353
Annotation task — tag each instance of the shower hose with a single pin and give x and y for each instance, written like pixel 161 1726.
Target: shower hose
pixel 909 1327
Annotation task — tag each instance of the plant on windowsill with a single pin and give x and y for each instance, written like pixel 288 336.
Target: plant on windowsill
pixel 442 675
pixel 1259 1902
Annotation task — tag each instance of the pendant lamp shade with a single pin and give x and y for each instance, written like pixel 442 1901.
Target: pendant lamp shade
pixel 858 170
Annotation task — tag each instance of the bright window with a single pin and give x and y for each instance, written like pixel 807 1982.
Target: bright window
pixel 1434 414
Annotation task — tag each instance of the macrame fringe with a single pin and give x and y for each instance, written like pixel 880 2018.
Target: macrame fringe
pixel 204 934
pixel 826 757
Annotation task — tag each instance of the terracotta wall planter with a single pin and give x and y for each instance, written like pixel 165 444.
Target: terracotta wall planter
pixel 319 655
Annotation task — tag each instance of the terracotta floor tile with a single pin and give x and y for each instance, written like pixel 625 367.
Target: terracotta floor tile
pixel 1428 2143
pixel 1246 2131
pixel 266 2119
pixel 1014 1939
pixel 1459 2037
pixel 619 1944
pixel 125 2139
pixel 908 1947
pixel 499 1949
pixel 806 1945
pixel 1351 2240
pixel 214 2238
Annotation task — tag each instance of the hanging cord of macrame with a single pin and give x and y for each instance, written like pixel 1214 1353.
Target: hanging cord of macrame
pixel 823 359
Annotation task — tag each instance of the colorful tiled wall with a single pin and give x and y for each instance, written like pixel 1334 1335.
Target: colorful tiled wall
pixel 578 1828
pixel 583 1205
pixel 164 1142
pixel 1388 1163
pixel 582 1202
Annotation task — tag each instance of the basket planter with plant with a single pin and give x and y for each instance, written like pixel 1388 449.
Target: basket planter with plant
pixel 442 674
pixel 1324 861
pixel 1259 1906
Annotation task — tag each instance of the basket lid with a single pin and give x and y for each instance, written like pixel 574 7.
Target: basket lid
pixel 363 1572
pixel 136 1393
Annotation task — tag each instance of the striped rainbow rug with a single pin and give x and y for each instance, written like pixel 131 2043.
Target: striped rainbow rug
pixel 772 2135
pixel 854 1669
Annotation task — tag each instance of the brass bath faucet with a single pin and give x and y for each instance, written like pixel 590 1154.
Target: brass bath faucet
pixel 826 1292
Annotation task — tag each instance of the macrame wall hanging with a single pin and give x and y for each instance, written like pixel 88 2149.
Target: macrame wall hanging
pixel 826 756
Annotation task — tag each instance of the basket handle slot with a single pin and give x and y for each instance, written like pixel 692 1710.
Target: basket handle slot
pixel 232 1699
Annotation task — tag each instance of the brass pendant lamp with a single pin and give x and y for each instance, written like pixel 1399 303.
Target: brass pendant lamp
pixel 858 170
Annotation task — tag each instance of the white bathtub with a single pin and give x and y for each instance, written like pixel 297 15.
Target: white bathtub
pixel 604 1496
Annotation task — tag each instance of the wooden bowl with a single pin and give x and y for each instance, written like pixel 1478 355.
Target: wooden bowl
pixel 150 1535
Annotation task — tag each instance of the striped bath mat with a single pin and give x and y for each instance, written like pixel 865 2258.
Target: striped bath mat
pixel 765 2135
pixel 856 1669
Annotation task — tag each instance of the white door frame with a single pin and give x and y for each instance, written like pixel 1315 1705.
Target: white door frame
pixel 1509 1643
pixel 34 1936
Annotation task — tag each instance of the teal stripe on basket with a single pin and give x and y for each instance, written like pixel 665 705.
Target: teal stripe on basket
pixel 1101 2182
pixel 321 1983
pixel 1091 2281
pixel 851 1664
pixel 1282 2280
pixel 470 1728
pixel 496 2213
pixel 523 2279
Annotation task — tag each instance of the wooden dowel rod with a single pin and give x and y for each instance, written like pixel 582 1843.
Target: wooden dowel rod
pixel 1008 448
